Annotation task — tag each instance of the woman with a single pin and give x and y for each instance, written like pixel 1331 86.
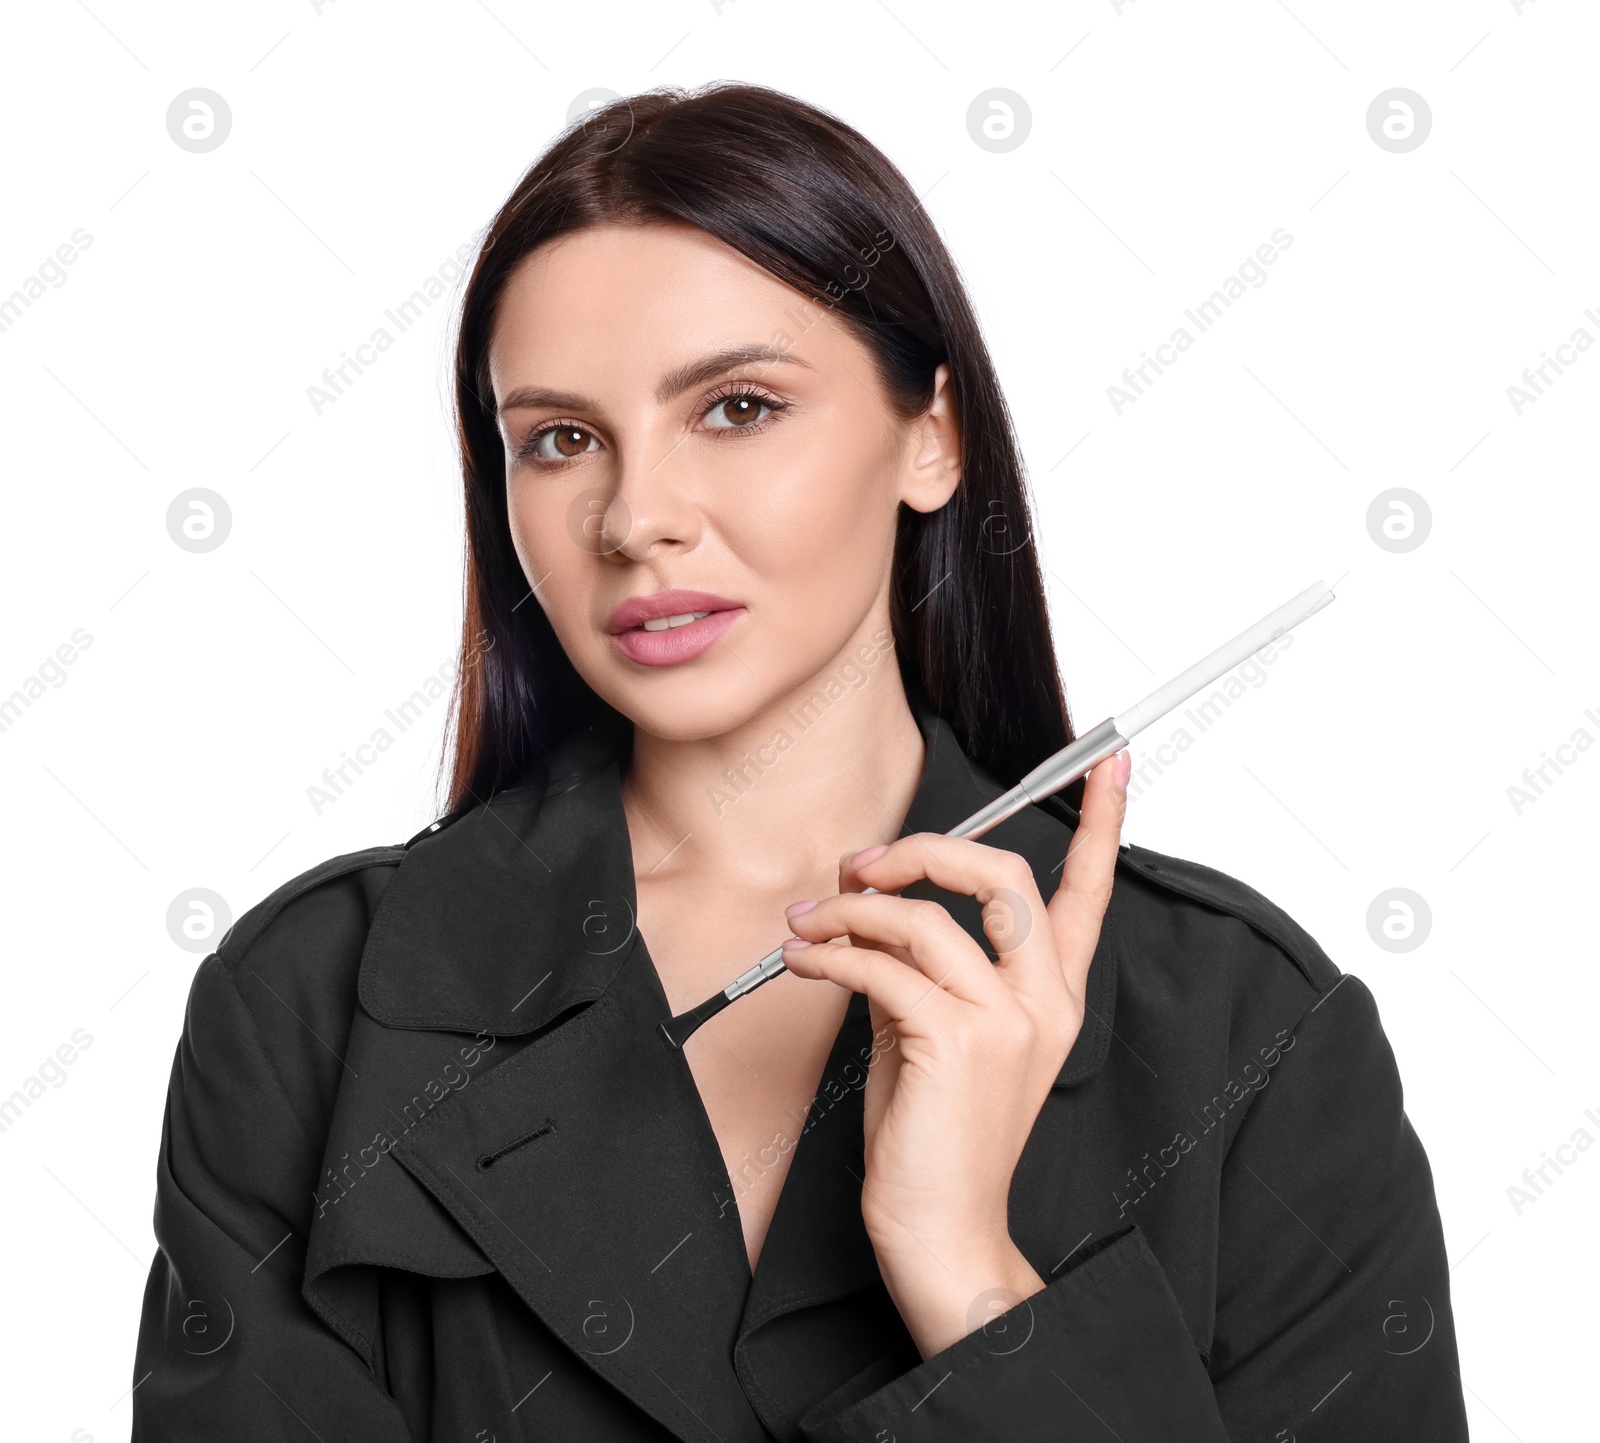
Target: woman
pixel 751 589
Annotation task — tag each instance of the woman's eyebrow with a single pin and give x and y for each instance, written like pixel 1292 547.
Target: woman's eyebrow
pixel 542 398
pixel 675 383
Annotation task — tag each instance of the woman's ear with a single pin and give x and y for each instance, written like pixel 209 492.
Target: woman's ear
pixel 933 459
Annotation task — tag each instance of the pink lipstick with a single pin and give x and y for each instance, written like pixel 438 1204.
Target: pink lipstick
pixel 671 626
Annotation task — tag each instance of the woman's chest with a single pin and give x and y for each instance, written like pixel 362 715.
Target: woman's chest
pixel 757 1066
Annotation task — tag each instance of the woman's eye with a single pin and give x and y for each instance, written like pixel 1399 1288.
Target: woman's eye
pixel 562 443
pixel 736 412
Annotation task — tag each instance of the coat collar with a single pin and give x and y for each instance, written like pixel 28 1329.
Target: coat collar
pixel 565 1147
pixel 505 915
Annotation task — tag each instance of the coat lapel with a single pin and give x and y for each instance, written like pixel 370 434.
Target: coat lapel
pixel 586 1170
pixel 368 1211
pixel 480 939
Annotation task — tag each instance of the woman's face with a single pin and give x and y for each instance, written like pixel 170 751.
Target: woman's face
pixel 703 474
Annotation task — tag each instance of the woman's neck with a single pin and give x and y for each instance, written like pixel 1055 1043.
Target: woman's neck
pixel 829 768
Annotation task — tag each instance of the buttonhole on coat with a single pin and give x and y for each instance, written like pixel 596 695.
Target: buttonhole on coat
pixel 489 1159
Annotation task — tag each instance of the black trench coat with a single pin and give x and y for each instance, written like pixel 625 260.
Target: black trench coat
pixel 428 1172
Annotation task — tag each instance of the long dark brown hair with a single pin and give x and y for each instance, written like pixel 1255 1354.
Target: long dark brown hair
pixel 818 206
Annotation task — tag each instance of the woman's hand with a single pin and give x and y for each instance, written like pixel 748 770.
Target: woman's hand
pixel 973 1046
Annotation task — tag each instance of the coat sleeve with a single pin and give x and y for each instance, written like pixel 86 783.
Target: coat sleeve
pixel 1333 1314
pixel 1332 1317
pixel 228 1347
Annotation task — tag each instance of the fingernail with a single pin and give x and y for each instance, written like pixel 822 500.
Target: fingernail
pixel 794 942
pixel 870 855
pixel 799 909
pixel 1124 770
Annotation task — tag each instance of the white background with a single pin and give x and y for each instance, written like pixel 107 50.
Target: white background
pixel 1167 142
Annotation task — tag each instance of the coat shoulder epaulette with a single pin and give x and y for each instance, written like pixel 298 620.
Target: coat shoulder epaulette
pixel 1238 899
pixel 237 939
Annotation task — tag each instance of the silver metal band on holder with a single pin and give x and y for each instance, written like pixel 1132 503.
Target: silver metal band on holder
pixel 1065 767
pixel 1045 780
pixel 769 966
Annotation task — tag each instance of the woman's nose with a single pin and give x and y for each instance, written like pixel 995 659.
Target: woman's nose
pixel 651 511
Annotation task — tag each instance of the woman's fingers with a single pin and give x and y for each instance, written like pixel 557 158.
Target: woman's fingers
pixel 957 864
pixel 937 946
pixel 1014 914
pixel 896 991
pixel 849 880
pixel 1035 944
pixel 1079 904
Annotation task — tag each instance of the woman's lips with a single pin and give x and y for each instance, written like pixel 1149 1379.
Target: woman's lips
pixel 679 643
pixel 670 638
